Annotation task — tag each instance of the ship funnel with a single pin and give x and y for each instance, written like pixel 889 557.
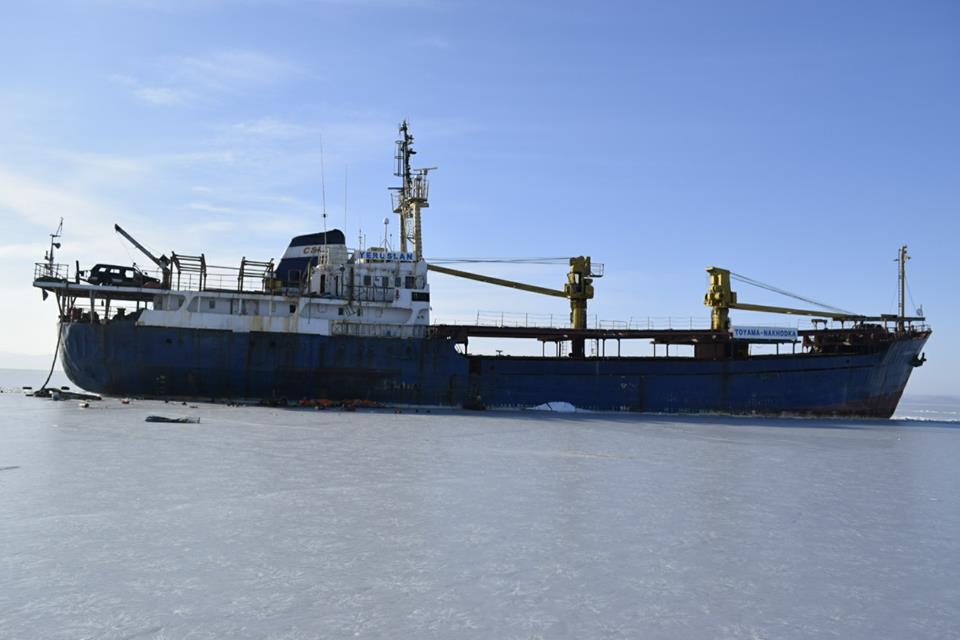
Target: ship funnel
pixel 306 251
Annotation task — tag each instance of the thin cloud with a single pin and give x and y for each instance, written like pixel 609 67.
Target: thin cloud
pixel 232 69
pixel 195 6
pixel 211 226
pixel 184 80
pixel 193 158
pixel 40 203
pixel 163 96
pixel 117 166
pixel 22 251
pixel 156 95
pixel 433 42
pixel 273 128
pixel 210 208
pixel 96 172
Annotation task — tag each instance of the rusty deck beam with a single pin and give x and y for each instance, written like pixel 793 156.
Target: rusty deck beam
pixel 461 333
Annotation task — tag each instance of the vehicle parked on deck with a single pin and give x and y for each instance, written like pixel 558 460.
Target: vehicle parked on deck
pixel 119 276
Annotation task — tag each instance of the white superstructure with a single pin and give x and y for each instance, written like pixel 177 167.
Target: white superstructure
pixel 355 294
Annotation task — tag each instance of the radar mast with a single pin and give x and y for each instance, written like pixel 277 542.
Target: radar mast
pixel 411 196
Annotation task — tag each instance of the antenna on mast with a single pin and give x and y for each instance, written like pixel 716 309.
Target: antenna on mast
pixel 323 193
pixel 412 195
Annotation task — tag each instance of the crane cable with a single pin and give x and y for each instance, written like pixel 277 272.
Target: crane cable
pixel 916 308
pixel 783 292
pixel 498 260
pixel 126 248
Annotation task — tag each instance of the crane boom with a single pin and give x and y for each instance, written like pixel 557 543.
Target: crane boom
pixel 578 289
pixel 163 262
pixel 833 315
pixel 498 281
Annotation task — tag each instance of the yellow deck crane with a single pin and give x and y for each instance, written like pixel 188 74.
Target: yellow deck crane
pixel 721 298
pixel 578 289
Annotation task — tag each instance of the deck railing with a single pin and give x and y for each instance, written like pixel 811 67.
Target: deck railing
pixel 51 271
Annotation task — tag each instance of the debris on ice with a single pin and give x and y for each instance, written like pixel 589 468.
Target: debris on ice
pixel 557 407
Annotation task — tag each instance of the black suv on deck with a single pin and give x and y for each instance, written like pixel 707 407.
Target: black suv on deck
pixel 120 276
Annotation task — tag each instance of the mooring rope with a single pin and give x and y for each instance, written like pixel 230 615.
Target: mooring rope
pixel 54 363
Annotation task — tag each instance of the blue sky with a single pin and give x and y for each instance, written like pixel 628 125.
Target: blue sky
pixel 798 143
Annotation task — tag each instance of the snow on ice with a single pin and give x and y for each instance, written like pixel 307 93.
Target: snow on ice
pixel 269 523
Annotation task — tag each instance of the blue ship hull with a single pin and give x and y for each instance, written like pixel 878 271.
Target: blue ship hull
pixel 122 359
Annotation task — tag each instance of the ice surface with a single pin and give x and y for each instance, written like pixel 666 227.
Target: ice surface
pixel 268 523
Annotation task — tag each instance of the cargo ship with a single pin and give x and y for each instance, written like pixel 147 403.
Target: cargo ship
pixel 339 324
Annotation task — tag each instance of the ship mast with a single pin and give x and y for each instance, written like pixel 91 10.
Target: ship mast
pixel 901 290
pixel 411 196
pixel 54 244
